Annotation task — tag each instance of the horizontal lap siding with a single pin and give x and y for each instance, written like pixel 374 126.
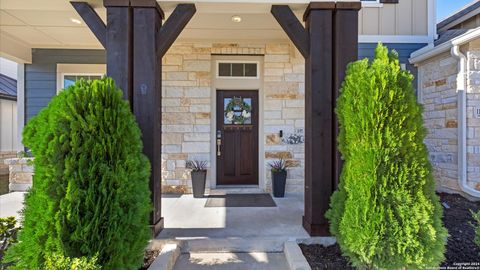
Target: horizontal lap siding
pixel 41 75
pixel 404 50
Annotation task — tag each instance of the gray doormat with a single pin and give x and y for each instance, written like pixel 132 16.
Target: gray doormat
pixel 240 200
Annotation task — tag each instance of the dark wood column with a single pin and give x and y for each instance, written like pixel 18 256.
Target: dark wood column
pixel 119 45
pixel 135 42
pixel 319 116
pixel 147 95
pixel 346 51
pixel 328 42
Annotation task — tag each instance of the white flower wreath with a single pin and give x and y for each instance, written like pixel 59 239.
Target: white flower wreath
pixel 245 108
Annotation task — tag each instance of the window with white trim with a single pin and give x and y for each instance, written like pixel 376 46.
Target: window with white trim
pixel 68 74
pixel 234 69
pixel 70 79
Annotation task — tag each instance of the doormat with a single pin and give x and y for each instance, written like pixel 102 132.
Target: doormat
pixel 240 200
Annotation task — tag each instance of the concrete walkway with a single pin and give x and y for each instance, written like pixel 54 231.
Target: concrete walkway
pixel 187 217
pixel 231 261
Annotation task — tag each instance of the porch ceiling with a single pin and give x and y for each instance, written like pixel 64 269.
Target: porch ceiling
pixel 48 23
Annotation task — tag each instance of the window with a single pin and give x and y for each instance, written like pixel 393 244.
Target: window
pixel 70 79
pixel 68 74
pixel 237 69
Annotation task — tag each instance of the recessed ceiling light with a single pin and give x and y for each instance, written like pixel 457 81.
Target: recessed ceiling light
pixel 236 19
pixel 74 20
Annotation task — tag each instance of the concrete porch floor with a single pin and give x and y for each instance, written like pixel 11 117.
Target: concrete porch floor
pixel 188 218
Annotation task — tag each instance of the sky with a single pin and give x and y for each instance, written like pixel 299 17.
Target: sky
pixel 448 7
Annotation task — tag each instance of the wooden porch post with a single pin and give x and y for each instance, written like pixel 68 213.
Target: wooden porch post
pixel 119 45
pixel 135 42
pixel 147 95
pixel 346 51
pixel 327 42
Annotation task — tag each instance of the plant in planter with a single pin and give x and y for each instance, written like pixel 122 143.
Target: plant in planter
pixel 279 177
pixel 199 176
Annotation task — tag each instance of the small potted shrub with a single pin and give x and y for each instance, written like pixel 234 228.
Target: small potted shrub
pixel 279 177
pixel 199 176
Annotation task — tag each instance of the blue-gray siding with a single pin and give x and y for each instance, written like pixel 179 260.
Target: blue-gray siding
pixel 41 75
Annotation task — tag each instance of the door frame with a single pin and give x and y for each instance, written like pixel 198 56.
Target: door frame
pixel 255 84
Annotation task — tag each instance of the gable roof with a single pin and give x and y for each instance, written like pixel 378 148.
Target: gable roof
pixel 8 87
pixel 464 14
pixel 445 44
pixel 449 35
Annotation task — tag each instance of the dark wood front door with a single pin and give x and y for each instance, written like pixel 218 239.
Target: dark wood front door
pixel 237 137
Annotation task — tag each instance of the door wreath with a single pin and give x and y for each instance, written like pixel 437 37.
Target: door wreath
pixel 238 111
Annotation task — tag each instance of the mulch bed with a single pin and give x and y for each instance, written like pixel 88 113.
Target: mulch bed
pixel 320 257
pixel 150 256
pixel 460 246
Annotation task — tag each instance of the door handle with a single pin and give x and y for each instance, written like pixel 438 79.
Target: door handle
pixel 219 144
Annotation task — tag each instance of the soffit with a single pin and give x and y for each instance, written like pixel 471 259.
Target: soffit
pixel 48 23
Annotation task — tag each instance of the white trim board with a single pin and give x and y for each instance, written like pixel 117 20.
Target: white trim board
pixel 233 84
pixel 394 39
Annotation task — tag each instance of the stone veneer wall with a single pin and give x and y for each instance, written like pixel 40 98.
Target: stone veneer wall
pixel 3 156
pixel 21 173
pixel 187 108
pixel 439 97
pixel 284 103
pixel 473 123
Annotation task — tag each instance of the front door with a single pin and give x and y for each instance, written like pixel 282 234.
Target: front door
pixel 237 137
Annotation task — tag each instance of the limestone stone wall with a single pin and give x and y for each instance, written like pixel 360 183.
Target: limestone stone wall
pixel 440 99
pixel 284 97
pixel 439 96
pixel 3 156
pixel 187 109
pixel 186 112
pixel 473 121
pixel 20 173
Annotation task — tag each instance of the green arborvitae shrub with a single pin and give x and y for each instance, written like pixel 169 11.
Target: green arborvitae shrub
pixel 58 262
pixel 90 194
pixel 385 213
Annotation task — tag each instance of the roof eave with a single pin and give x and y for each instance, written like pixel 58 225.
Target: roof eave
pixel 8 97
pixel 430 50
pixel 457 18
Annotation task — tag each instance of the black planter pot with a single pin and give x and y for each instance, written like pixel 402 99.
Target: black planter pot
pixel 198 183
pixel 279 180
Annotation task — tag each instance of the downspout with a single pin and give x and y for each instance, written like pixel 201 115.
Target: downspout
pixel 462 121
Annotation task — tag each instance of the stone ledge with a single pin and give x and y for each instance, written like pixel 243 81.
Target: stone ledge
pixel 13 187
pixel 18 161
pixel 294 256
pixel 167 257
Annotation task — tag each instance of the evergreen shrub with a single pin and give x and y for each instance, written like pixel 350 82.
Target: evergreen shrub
pixel 90 194
pixel 58 262
pixel 385 214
